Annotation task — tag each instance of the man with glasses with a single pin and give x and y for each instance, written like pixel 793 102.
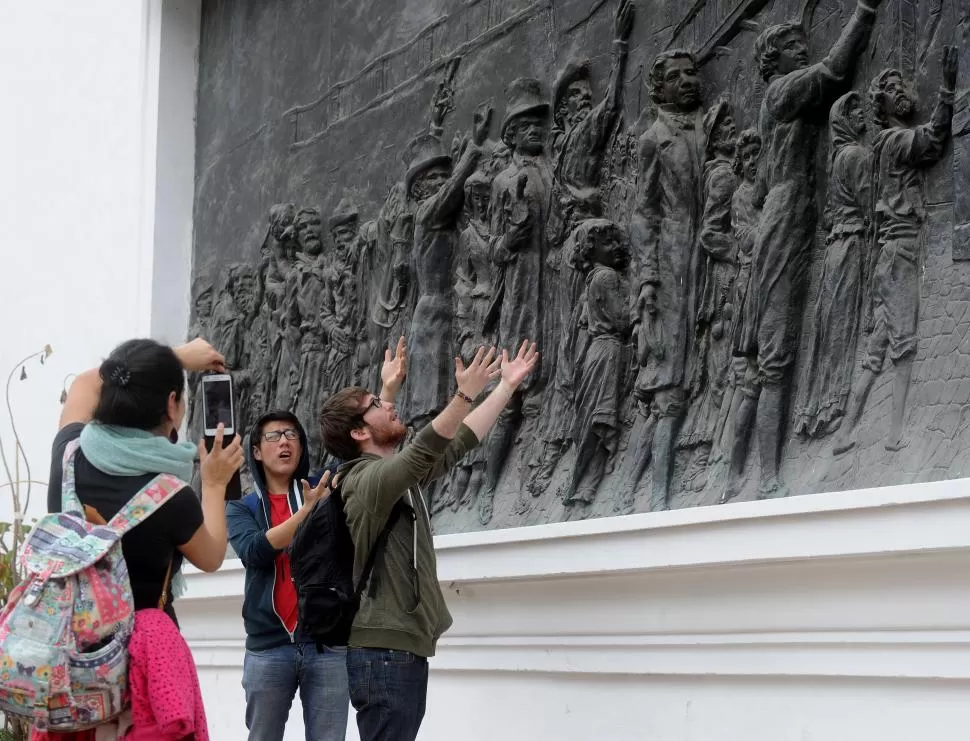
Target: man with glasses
pixel 278 660
pixel 402 611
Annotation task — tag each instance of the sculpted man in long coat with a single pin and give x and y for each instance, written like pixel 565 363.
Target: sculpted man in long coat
pixel 664 235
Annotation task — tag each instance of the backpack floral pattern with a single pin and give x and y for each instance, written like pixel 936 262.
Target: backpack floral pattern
pixel 64 631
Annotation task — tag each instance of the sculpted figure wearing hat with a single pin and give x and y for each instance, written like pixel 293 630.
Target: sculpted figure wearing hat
pixel 580 140
pixel 436 189
pixel 393 298
pixel 581 132
pixel 521 201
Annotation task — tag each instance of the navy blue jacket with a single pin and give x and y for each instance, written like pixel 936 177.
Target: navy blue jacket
pixel 248 520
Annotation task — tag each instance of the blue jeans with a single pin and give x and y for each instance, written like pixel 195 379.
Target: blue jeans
pixel 271 679
pixel 388 690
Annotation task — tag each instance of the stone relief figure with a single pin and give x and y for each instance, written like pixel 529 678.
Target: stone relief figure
pixel 664 240
pixel 395 230
pixel 395 294
pixel 437 192
pixel 796 96
pixel 276 259
pixel 232 320
pixel 581 134
pixel 310 281
pixel 602 255
pixel 580 142
pixel 369 266
pixel 719 251
pixel 200 327
pixel 342 313
pixel 520 203
pixel 651 351
pixel 901 152
pixel 474 317
pixel 279 306
pixel 826 375
pixel 474 271
pixel 745 215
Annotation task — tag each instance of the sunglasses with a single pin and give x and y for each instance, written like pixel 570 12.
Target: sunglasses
pixel 274 436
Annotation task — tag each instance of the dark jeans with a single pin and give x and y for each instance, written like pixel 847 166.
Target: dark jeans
pixel 389 690
pixel 271 679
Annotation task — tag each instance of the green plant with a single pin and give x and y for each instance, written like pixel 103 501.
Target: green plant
pixel 13 534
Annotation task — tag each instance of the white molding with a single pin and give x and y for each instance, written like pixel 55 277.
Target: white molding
pixel 858 584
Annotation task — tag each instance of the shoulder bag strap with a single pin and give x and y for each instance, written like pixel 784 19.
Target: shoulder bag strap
pixel 146 502
pixel 70 504
pixel 378 548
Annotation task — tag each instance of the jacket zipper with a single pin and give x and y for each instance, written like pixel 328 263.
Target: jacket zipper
pixel 272 596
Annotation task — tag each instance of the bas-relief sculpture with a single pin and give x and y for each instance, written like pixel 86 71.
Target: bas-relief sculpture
pixel 688 309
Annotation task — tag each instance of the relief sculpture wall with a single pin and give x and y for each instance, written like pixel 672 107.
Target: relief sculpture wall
pixel 738 231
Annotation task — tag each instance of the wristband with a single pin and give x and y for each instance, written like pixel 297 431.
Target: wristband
pixel 464 397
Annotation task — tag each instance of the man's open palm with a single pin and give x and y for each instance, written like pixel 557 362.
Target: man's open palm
pixel 319 492
pixel 514 371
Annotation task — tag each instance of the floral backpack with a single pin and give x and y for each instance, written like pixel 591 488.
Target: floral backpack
pixel 64 631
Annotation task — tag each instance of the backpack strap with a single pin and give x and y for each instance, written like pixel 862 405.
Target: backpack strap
pixel 70 504
pixel 377 550
pixel 146 502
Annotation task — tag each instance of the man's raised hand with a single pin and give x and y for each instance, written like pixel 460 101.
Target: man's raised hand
pixel 515 371
pixel 394 370
pixel 312 495
pixel 483 368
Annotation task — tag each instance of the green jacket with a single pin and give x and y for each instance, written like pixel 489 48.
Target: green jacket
pixel 388 617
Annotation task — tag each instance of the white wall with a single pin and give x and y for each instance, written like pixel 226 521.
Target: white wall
pixel 79 138
pixel 834 617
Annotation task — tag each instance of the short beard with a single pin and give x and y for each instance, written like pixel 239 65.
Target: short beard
pixel 388 438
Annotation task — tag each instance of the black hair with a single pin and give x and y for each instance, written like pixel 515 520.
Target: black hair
pixel 137 379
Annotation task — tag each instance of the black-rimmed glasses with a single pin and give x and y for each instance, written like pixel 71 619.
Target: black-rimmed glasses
pixel 375 402
pixel 273 436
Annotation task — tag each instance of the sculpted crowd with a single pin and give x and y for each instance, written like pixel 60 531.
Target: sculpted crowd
pixel 673 271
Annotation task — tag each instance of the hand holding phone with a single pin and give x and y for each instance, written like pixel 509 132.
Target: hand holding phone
pixel 221 459
pixel 218 408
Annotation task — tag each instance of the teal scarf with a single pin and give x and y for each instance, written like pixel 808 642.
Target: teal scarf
pixel 125 451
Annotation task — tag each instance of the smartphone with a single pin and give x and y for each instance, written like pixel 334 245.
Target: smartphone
pixel 217 404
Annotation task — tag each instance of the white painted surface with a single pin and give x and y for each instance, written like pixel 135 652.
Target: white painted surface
pixel 831 617
pixel 95 193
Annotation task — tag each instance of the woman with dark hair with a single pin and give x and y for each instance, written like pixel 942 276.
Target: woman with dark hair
pixel 127 414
